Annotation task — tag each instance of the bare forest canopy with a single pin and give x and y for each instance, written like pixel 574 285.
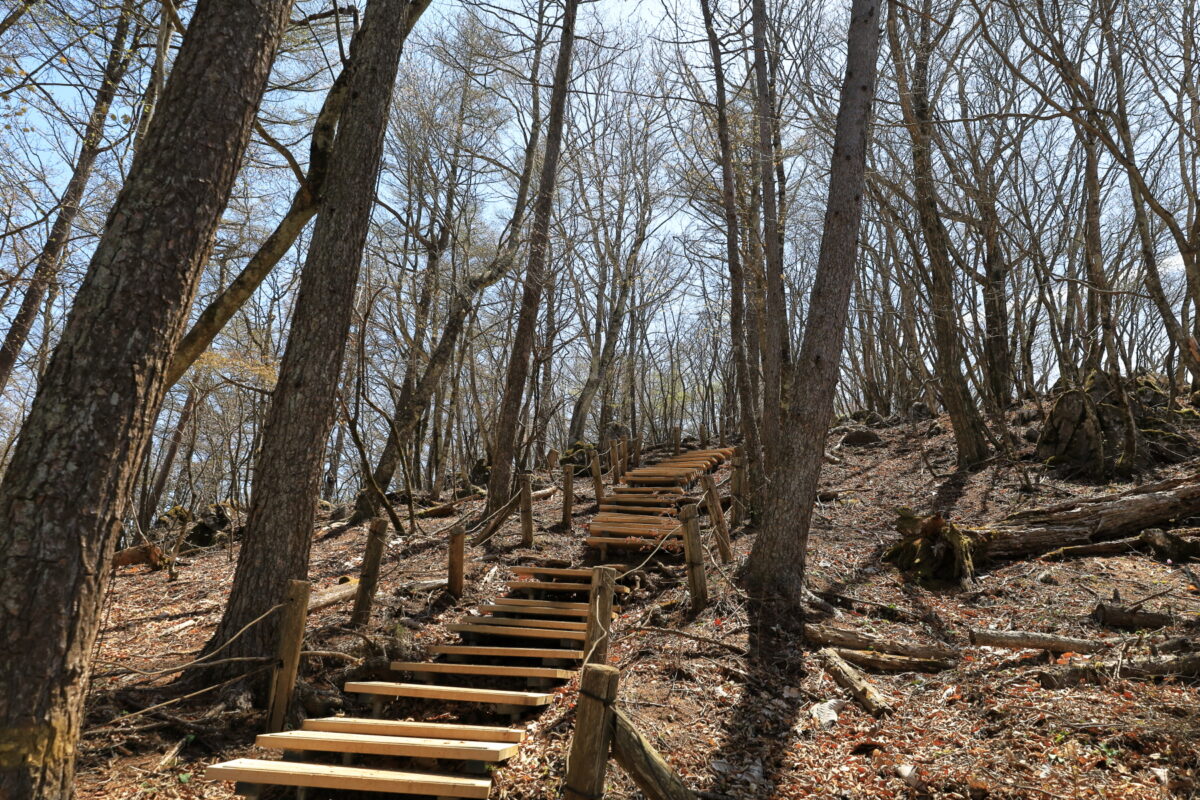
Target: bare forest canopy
pixel 369 255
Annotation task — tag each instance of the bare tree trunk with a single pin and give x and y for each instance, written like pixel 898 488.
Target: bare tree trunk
pixel 518 365
pixel 775 569
pixel 62 497
pixel 90 147
pixel 286 483
pixel 152 498
pixel 737 280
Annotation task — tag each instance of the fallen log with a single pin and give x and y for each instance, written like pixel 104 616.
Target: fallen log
pixel 857 640
pixel 1147 667
pixel 1114 616
pixel 1113 548
pixel 333 596
pixel 1018 640
pixel 887 662
pixel 855 683
pixel 934 549
pixel 447 509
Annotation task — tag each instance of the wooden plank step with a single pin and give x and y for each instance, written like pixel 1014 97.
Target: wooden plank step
pixel 505 652
pixel 362 779
pixel 518 622
pixel 405 727
pixel 385 745
pixel 643 489
pixel 524 601
pixel 522 633
pixel 632 543
pixel 632 529
pixel 650 519
pixel 503 607
pixel 648 511
pixel 550 586
pixel 461 693
pixel 553 673
pixel 560 572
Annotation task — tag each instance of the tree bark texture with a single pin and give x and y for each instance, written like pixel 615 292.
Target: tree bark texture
pixel 61 498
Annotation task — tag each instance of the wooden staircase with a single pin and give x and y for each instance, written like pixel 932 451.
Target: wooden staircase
pixel 644 514
pixel 534 637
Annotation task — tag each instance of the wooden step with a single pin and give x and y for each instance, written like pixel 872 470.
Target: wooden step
pixel 634 543
pixel 649 519
pixel 404 727
pixel 523 633
pixel 633 529
pixel 460 693
pixel 524 601
pixel 387 745
pixel 518 622
pixel 549 586
pixel 505 652
pixel 558 572
pixel 504 607
pixel 361 779
pixel 553 673
pixel 642 490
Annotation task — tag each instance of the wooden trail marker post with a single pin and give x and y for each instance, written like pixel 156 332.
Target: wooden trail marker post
pixel 292 618
pixel 601 730
pixel 597 478
pixel 458 549
pixel 369 580
pixel 694 556
pixel 568 494
pixel 592 740
pixel 599 620
pixel 716 514
pixel 526 509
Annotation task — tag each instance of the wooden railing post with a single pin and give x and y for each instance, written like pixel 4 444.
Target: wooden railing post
pixel 694 556
pixel 624 455
pixel 716 515
pixel 292 618
pixel 369 579
pixel 597 478
pixel 526 509
pixel 592 740
pixel 614 462
pixel 636 456
pixel 568 491
pixel 599 620
pixel 458 551
pixel 677 439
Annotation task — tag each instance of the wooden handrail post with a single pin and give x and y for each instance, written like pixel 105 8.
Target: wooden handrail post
pixel 369 579
pixel 624 455
pixel 292 619
pixel 677 439
pixel 592 740
pixel 597 478
pixel 614 462
pixel 568 494
pixel 716 515
pixel 636 459
pixel 694 556
pixel 458 549
pixel 526 509
pixel 599 620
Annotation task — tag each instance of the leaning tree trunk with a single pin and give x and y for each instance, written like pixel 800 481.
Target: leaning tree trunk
pixel 518 364
pixel 62 497
pixel 90 147
pixel 935 550
pixel 775 569
pixel 275 545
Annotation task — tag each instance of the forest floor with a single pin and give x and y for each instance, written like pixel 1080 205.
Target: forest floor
pixel 732 726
